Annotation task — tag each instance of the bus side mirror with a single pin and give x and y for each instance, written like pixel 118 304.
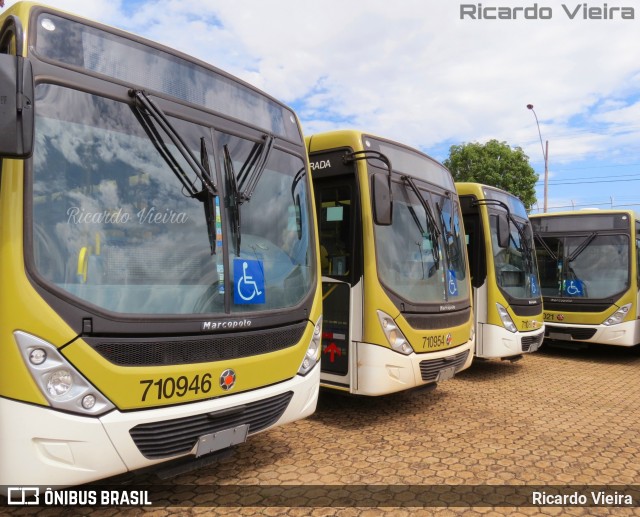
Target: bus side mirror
pixel 503 231
pixel 16 107
pixel 382 202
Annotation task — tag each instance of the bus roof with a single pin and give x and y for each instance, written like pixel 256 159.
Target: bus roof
pixel 586 211
pixel 75 42
pixel 402 156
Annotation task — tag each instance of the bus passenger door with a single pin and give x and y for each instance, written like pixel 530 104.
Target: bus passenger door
pixel 335 205
pixel 476 253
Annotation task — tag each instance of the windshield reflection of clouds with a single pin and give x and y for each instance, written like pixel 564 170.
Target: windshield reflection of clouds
pixel 412 258
pixel 515 264
pixel 113 227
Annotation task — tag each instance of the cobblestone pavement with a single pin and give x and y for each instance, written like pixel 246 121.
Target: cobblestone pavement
pixel 557 417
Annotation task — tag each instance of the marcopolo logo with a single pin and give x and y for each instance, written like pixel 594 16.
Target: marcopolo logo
pixel 536 11
pixel 225 325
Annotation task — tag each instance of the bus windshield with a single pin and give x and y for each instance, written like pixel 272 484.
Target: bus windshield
pixel 515 264
pixel 421 256
pixel 575 266
pixel 112 224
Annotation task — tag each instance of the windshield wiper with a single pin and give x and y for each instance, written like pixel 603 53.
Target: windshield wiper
pixel 524 248
pixel 234 197
pixel 448 233
pixel 242 186
pixel 151 117
pixel 432 226
pixel 252 169
pixel 149 113
pixel 296 199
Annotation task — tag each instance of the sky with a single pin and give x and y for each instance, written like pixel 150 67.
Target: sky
pixel 434 73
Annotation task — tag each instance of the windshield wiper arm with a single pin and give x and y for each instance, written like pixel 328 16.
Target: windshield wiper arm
pixel 582 247
pixel 296 199
pixel 252 168
pixel 209 204
pixel 525 248
pixel 432 226
pixel 546 246
pixel 149 113
pixel 446 237
pixel 414 216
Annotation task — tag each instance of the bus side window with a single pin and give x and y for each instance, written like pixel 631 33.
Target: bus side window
pixel 335 230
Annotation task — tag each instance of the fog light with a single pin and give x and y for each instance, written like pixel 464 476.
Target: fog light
pixel 88 401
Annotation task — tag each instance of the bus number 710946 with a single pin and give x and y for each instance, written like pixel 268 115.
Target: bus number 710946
pixel 169 387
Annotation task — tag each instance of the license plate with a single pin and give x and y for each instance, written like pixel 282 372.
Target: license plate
pixel 221 440
pixel 446 373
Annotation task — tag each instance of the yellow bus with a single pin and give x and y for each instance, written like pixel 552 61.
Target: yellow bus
pixel 506 294
pixel 161 298
pixel 589 263
pixel 396 292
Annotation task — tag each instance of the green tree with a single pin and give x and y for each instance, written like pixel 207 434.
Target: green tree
pixel 496 164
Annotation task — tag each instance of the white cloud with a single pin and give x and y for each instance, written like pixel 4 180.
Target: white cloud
pixel 412 70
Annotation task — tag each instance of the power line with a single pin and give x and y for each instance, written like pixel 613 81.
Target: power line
pixel 610 166
pixel 573 206
pixel 602 179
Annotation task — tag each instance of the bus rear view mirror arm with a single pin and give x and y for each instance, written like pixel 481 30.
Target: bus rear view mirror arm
pixel 16 96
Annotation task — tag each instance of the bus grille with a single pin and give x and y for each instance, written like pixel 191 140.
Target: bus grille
pixel 438 321
pixel 190 350
pixel 531 341
pixel 571 332
pixel 429 369
pixel 172 437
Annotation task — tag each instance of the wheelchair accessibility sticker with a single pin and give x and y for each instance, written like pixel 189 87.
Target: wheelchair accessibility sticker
pixel 533 282
pixel 248 281
pixel 452 283
pixel 573 288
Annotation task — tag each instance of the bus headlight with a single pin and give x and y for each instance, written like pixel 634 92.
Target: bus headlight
pixel 60 383
pixel 394 335
pixel 312 356
pixel 617 316
pixel 506 319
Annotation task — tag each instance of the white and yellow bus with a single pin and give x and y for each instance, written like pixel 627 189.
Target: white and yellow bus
pixel 589 263
pixel 396 292
pixel 506 294
pixel 161 299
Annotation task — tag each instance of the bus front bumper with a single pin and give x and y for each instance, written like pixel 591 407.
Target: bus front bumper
pixel 382 371
pixel 43 447
pixel 494 342
pixel 622 334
